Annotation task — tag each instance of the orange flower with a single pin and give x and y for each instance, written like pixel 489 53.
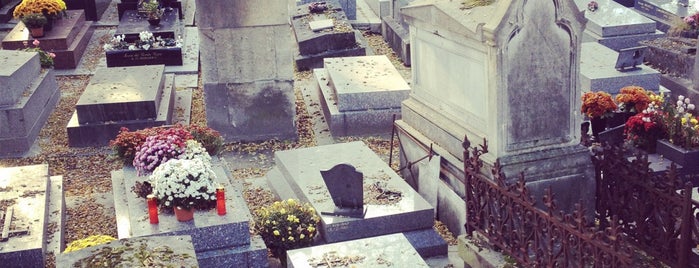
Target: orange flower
pixel 597 104
pixel 633 99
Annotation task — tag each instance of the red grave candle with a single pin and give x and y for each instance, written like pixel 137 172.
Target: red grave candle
pixel 220 201
pixel 152 209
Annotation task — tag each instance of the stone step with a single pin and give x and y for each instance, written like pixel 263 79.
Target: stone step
pixel 19 71
pixel 301 169
pixel 21 123
pixel 99 134
pixel 28 187
pixel 57 213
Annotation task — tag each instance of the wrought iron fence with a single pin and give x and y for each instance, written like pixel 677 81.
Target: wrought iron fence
pixel 507 216
pixel 655 210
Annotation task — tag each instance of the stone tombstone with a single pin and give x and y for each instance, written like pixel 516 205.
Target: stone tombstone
pixel 507 72
pixel 246 54
pixel 346 187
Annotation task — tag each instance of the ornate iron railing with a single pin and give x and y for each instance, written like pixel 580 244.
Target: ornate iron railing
pixel 507 216
pixel 657 217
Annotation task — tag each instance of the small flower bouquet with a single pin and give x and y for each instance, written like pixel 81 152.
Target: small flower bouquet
pixel 46 7
pixel 633 99
pixel 46 58
pixel 146 40
pixel 644 129
pixel 597 104
pixel 286 225
pixel 682 124
pixel 185 183
pixel 157 150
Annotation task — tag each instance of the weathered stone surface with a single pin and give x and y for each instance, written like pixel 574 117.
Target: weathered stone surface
pixel 313 42
pixel 178 246
pixel 309 62
pixel 393 248
pixel 366 83
pixel 349 7
pixel 397 37
pixel 476 255
pixel 664 12
pixel 21 122
pixel 118 94
pixel 93 8
pixel 597 71
pixel 412 212
pixel 359 122
pixel 252 111
pixel 19 70
pixel 215 14
pixel 27 187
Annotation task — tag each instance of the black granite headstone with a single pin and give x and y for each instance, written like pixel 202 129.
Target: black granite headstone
pixel 170 56
pixel 346 187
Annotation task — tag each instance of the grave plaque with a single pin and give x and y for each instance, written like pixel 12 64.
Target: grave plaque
pixel 629 58
pixel 346 187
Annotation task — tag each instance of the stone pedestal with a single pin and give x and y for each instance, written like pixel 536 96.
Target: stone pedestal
pixel 247 69
pixel 616 26
pixel 28 95
pixel 360 95
pixel 597 71
pixel 132 97
pixel 68 39
pixel 297 175
pixel 219 241
pixel 30 193
pixel 338 40
pixel 484 73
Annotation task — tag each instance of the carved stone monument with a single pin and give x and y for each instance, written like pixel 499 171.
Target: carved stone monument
pixel 346 187
pixel 506 72
pixel 247 70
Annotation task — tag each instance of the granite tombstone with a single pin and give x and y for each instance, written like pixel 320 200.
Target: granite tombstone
pixel 346 187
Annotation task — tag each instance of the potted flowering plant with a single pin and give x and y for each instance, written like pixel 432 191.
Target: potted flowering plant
pixel 151 8
pixel 285 225
pixel 682 129
pixel 183 185
pixel 35 22
pixel 633 99
pixel 157 150
pixel 51 9
pixel 597 106
pixel 643 129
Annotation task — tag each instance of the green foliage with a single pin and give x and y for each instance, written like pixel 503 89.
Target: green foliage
pixel 34 20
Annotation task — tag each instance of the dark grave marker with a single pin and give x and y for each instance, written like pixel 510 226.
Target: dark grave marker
pixel 94 9
pixel 629 58
pixel 166 56
pixel 346 187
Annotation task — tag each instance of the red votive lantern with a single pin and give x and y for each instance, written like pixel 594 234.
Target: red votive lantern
pixel 220 201
pixel 152 209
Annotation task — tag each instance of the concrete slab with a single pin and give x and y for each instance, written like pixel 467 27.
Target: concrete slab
pixel 597 71
pixel 393 249
pixel 301 169
pixel 19 70
pixel 366 82
pixel 163 251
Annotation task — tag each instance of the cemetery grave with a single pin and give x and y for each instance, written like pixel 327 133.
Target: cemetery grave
pixel 598 72
pixel 169 251
pixel 324 34
pixel 360 95
pixel 29 94
pixel 68 39
pixel 31 205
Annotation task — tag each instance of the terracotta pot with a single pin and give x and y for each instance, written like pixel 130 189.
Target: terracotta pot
pixel 184 214
pixel 37 32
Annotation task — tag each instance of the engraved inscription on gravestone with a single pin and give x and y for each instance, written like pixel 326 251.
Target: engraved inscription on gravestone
pixel 346 187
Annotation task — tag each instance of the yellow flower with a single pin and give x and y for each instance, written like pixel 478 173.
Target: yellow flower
pixel 291 238
pixel 276 232
pixel 694 121
pixel 290 201
pixel 282 211
pixel 302 236
pixel 684 120
pixel 311 229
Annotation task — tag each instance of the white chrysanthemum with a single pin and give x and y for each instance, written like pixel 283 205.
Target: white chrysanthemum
pixel 180 179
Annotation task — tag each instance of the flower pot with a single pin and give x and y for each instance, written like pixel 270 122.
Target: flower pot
pixel 183 214
pixel 683 157
pixel 154 22
pixel 37 32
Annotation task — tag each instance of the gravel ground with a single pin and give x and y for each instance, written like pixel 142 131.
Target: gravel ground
pixel 86 171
